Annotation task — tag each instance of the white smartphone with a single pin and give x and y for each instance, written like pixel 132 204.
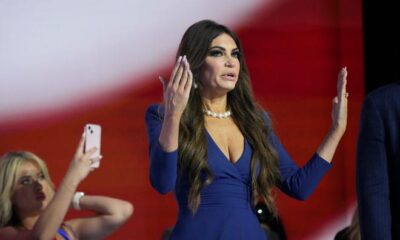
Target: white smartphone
pixel 93 139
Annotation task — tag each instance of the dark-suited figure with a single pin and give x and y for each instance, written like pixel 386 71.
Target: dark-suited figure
pixel 378 164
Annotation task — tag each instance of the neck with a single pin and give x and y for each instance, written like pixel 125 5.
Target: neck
pixel 29 222
pixel 216 104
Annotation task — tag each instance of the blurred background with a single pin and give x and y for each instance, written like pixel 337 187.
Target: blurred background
pixel 67 63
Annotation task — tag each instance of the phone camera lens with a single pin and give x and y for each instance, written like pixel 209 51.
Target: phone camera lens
pixel 91 131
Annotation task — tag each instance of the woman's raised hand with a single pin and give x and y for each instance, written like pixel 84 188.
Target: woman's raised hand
pixel 80 165
pixel 339 111
pixel 177 89
pixel 339 119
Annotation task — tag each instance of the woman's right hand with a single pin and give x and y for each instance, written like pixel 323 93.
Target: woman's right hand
pixel 80 165
pixel 339 111
pixel 177 89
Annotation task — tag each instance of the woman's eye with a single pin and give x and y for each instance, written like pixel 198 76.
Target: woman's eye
pixel 26 181
pixel 215 53
pixel 41 176
pixel 236 54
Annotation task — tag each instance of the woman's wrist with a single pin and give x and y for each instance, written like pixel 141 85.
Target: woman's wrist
pixel 69 185
pixel 172 115
pixel 336 132
pixel 71 180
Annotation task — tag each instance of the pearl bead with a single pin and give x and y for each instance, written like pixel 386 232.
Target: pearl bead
pixel 218 115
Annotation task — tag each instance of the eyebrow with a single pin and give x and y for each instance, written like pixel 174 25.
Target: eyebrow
pixel 222 48
pixel 30 174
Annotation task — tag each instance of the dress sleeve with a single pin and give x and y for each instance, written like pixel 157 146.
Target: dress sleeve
pixel 372 175
pixel 163 165
pixel 298 182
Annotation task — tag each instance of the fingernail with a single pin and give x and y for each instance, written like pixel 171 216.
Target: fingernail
pixel 179 58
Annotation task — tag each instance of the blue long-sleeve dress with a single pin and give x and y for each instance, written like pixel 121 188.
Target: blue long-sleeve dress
pixel 225 210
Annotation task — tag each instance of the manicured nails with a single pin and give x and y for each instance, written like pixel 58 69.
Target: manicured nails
pixel 183 59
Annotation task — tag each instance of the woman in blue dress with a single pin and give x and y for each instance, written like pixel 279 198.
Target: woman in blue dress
pixel 214 146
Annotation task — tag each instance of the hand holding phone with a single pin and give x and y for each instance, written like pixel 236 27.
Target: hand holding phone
pixel 93 139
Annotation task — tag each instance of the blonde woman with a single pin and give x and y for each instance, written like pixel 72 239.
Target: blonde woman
pixel 31 209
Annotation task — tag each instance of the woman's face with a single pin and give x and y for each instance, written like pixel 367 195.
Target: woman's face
pixel 220 70
pixel 32 192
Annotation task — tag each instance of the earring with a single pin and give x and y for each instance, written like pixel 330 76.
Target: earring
pixel 195 86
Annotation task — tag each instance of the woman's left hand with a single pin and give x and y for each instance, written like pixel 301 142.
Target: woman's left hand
pixel 339 119
pixel 81 164
pixel 339 111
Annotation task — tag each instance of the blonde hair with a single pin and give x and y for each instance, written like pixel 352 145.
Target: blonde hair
pixel 9 165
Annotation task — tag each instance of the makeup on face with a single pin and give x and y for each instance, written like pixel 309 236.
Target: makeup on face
pixel 221 66
pixel 32 179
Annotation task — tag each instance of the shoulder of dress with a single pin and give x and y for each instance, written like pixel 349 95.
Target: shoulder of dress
pixel 155 111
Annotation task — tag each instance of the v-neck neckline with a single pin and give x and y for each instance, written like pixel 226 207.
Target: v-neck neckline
pixel 223 154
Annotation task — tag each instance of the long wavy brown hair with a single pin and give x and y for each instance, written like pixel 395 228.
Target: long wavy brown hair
pixel 249 117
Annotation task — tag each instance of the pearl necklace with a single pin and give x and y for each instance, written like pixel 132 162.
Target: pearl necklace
pixel 218 115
